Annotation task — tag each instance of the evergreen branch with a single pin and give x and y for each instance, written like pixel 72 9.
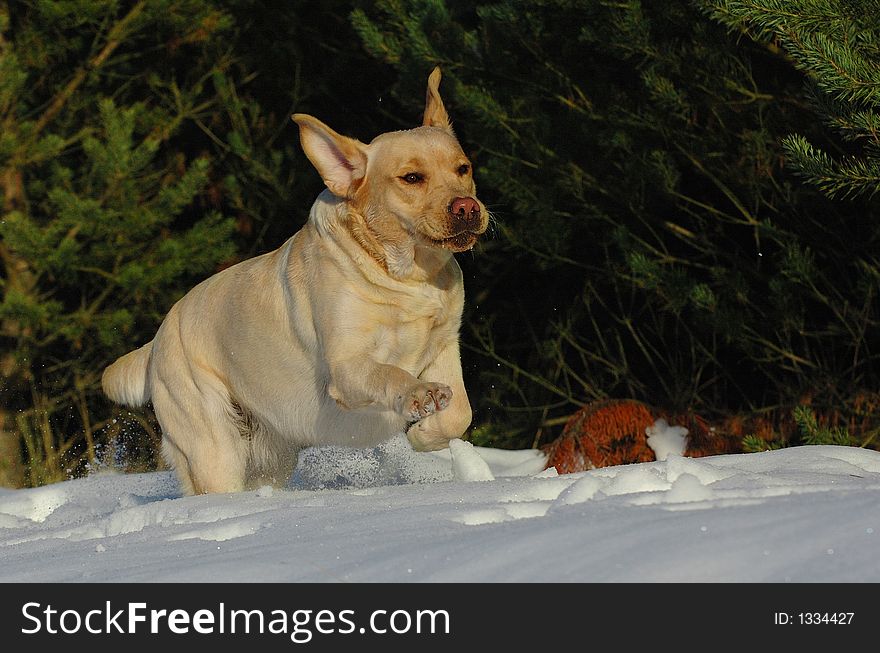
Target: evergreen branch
pixel 761 341
pixel 488 350
pixel 820 38
pixel 849 177
pixel 765 18
pixel 724 188
pixel 114 39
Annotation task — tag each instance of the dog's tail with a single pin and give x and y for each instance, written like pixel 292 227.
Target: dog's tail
pixel 125 381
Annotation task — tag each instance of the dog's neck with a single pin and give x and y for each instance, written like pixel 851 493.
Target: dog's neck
pixel 395 250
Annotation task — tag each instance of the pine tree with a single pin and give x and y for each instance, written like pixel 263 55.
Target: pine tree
pixel 106 212
pixel 143 146
pixel 650 243
pixel 837 44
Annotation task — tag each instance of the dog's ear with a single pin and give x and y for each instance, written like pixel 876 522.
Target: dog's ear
pixel 435 112
pixel 341 161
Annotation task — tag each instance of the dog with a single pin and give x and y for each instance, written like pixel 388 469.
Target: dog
pixel 345 335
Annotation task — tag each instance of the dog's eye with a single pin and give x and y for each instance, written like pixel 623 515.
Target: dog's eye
pixel 413 178
pixel 463 169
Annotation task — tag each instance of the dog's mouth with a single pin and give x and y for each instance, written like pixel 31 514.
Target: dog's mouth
pixel 458 243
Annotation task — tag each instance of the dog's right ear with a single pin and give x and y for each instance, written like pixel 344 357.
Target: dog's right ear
pixel 341 161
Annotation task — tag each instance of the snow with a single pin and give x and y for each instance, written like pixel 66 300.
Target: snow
pixel 467 465
pixel 464 514
pixel 665 439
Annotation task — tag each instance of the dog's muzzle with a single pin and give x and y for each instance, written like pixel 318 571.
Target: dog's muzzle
pixel 465 222
pixel 466 214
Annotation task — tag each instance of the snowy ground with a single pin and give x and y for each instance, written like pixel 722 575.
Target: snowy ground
pixel 469 514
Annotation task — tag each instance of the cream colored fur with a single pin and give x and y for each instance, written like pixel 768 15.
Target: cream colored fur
pixel 346 334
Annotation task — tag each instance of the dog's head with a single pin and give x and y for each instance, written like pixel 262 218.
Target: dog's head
pixel 410 189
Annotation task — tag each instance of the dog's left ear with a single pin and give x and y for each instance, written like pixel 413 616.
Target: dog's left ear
pixel 435 112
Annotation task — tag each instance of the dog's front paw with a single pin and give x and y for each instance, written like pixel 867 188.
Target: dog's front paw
pixel 423 400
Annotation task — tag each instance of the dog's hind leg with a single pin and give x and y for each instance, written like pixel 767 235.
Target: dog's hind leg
pixel 200 438
pixel 177 461
pixel 275 472
pixel 272 458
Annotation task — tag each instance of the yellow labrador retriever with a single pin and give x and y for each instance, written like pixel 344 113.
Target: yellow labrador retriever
pixel 346 334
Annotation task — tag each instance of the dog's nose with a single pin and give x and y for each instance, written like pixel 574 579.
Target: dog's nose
pixel 464 206
pixel 466 210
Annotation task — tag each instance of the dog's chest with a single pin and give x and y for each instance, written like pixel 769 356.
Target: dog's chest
pixel 411 332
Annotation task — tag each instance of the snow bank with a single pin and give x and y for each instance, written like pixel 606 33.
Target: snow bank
pixel 389 514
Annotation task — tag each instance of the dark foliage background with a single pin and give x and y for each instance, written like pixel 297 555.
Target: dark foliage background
pixel 684 195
